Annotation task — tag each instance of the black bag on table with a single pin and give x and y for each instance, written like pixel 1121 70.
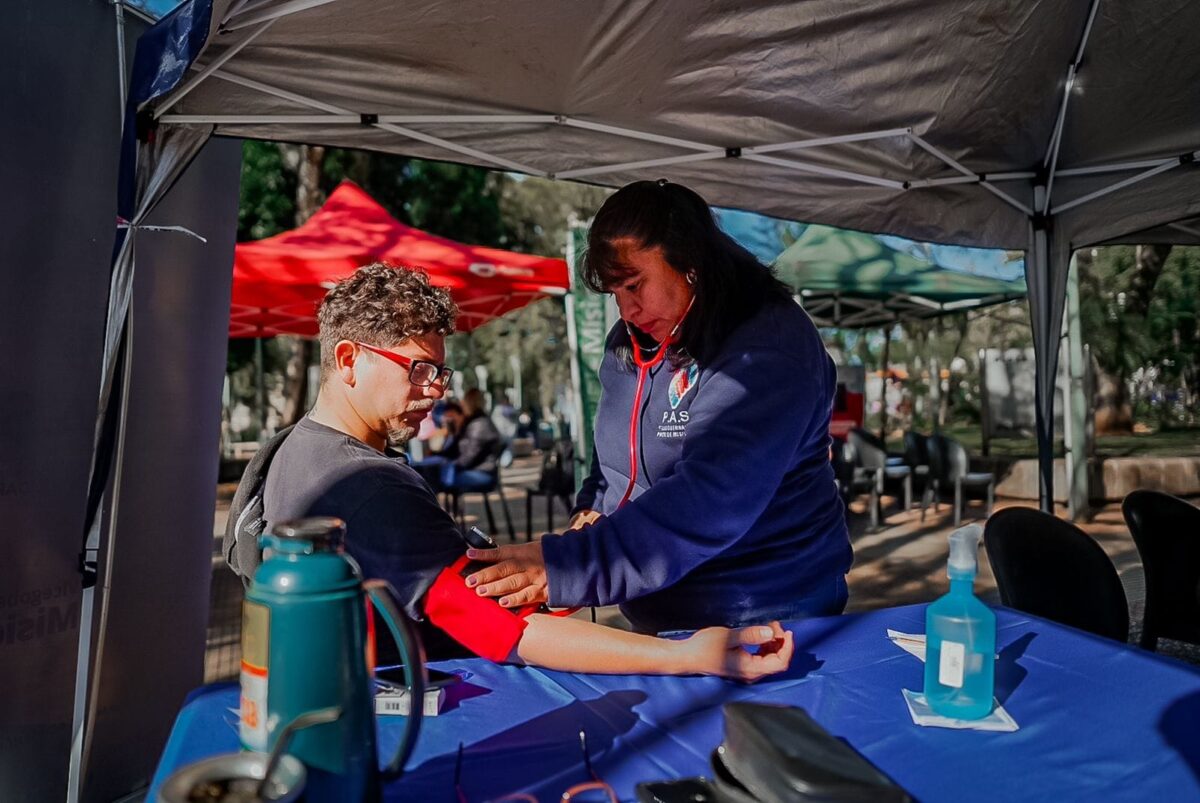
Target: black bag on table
pixel 778 754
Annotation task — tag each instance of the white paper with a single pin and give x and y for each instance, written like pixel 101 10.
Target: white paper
pixel 912 643
pixel 999 720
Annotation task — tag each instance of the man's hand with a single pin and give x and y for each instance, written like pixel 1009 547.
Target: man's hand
pixel 583 518
pixel 518 578
pixel 722 651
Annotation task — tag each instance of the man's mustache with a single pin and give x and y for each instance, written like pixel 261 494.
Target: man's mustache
pixel 419 405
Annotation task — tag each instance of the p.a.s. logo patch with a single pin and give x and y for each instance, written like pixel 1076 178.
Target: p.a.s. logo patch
pixel 683 381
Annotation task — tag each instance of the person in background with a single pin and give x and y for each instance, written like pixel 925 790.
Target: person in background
pixel 472 454
pixel 711 498
pixel 382 352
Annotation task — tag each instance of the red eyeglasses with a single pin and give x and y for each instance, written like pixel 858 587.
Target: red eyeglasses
pixel 421 373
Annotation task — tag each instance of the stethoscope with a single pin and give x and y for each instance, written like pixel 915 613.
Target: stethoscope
pixel 644 366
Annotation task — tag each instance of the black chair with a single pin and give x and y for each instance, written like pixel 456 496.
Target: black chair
pixel 1166 530
pixel 557 481
pixel 950 467
pixel 854 479
pixel 496 487
pixel 873 458
pixel 916 457
pixel 1050 568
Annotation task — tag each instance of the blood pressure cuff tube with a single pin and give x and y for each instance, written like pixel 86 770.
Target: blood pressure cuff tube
pixel 478 623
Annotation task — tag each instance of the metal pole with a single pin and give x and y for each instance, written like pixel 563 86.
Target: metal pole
pixel 1043 381
pixel 261 385
pixel 1076 414
pixel 935 394
pixel 887 353
pixel 122 72
pixel 985 406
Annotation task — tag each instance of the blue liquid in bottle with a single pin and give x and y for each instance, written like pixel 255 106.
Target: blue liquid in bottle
pixel 960 639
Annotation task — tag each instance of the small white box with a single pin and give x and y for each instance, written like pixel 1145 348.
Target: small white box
pixel 393 701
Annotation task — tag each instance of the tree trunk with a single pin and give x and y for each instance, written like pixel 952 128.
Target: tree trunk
pixel 1149 265
pixel 302 350
pixel 1114 413
pixel 1113 408
pixel 952 382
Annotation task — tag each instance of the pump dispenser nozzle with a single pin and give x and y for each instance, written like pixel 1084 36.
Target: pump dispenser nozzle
pixel 964 548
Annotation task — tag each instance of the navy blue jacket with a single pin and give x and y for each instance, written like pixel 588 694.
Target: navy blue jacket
pixel 735 518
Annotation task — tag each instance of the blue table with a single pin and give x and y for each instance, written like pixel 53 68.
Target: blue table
pixel 1098 719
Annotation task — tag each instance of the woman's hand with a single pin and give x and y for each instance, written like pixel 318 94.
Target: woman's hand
pixel 583 518
pixel 722 651
pixel 518 578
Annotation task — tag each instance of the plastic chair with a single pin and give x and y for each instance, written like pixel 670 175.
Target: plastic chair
pixel 855 479
pixel 494 485
pixel 1166 530
pixel 873 457
pixel 916 457
pixel 950 467
pixel 1050 568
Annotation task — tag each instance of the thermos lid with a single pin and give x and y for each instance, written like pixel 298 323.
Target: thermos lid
pixel 234 777
pixel 325 533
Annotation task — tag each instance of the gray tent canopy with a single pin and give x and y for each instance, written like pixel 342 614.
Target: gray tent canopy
pixel 1043 125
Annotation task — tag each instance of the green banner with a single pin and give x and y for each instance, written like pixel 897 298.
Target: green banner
pixel 587 323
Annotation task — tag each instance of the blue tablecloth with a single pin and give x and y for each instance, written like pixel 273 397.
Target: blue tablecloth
pixel 1097 719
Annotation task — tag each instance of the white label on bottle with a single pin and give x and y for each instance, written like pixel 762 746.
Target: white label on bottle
pixel 252 727
pixel 950 667
pixel 256 632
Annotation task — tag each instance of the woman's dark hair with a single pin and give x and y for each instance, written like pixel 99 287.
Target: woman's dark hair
pixel 729 282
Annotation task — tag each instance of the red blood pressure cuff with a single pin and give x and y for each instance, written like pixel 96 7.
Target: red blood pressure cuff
pixel 478 623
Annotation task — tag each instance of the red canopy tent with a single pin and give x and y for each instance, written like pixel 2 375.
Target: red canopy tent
pixel 278 282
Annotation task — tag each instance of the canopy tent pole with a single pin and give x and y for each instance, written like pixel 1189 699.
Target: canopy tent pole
pixel 818 142
pixel 1164 166
pixel 1185 229
pixel 1116 167
pixel 404 132
pixel 1001 194
pixel 1050 160
pixel 807 167
pixel 1045 342
pixel 286 9
pixel 205 72
pixel 260 385
pixel 122 71
pixel 887 358
pixel 1075 431
pixel 978 178
pixel 663 162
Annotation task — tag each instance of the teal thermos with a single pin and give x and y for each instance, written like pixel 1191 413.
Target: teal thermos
pixel 304 648
pixel 960 638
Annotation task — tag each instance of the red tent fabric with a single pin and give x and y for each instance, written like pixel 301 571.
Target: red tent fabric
pixel 278 282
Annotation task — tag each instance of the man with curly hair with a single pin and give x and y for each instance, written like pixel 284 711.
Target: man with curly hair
pixel 382 352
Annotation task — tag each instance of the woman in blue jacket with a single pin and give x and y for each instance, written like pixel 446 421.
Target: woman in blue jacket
pixel 711 499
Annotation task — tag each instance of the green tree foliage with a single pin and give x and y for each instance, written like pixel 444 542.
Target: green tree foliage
pixel 268 191
pixel 1145 336
pixel 455 201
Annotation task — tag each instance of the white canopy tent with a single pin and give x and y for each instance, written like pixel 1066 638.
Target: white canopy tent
pixel 1043 125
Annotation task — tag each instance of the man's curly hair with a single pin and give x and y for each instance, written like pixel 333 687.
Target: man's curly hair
pixel 382 305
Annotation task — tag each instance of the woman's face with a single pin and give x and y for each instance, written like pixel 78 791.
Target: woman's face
pixel 655 296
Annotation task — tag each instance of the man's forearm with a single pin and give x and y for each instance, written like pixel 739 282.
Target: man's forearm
pixel 574 645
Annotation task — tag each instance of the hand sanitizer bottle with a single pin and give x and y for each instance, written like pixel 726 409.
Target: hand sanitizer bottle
pixel 960 638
